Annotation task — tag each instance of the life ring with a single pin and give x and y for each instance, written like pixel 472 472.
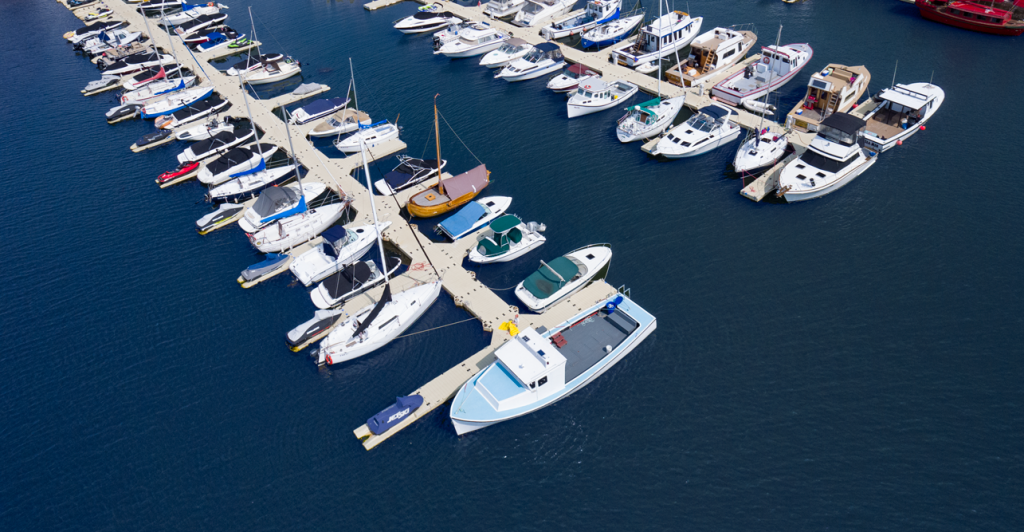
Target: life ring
pixel 766 60
pixel 586 87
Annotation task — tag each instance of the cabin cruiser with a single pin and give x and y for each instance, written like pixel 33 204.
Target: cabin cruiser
pixel 279 202
pixel 273 71
pixel 409 172
pixel 710 53
pixel 175 102
pixel 137 62
pixel 708 128
pixel 285 233
pixel 369 136
pixel 611 32
pixel 833 159
pixel 250 185
pixel 598 95
pixel 157 89
pixel 424 21
pixel 596 12
pixel 537 12
pixel 543 59
pixel 344 121
pixel 191 12
pixel 832 90
pixel 193 113
pixel 665 35
pixel 507 238
pixel 474 216
pixel 317 109
pixel 206 130
pixel 216 145
pixel 571 77
pixel 450 193
pixel 473 42
pixel 349 282
pixel 252 62
pixel 199 24
pixel 778 65
pixel 648 119
pixel 537 367
pixel 341 247
pixel 761 151
pixel 503 8
pixel 562 277
pixel 451 33
pixel 91 30
pixel 902 111
pixel 509 51
pixel 235 163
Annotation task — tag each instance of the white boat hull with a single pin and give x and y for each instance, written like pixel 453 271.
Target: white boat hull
pixel 802 195
pixel 531 74
pixel 472 52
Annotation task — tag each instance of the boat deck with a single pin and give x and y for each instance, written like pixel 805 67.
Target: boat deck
pixel 586 343
pixel 886 123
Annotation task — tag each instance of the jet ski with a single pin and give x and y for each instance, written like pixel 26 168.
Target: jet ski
pixel 217 40
pixel 314 329
pixel 215 145
pixel 193 113
pixel 386 419
pixel 121 112
pixel 223 215
pixel 237 162
pixel 182 170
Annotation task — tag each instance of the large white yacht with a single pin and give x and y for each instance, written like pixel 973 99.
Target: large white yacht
pixel 545 58
pixel 833 159
pixel 658 39
pixel 708 128
pixel 473 42
pixel 503 8
pixel 778 65
pixel 597 95
pixel 509 51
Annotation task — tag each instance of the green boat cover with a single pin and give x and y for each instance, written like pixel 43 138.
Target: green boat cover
pixel 505 223
pixel 543 282
pixel 499 243
pixel 645 105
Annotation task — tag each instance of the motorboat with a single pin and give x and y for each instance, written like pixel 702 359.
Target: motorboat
pixel 205 130
pixel 451 32
pixel 191 12
pixel 509 51
pixel 545 58
pixel 503 8
pixel 279 202
pixel 537 12
pixel 596 95
pixel 216 145
pixel 107 58
pixel 351 281
pixel 596 12
pixel 370 136
pixel 562 277
pixel 835 89
pixel 391 416
pixel 710 127
pixel 409 172
pixel 193 113
pixel 668 33
pixel 344 121
pixel 100 13
pixel 175 102
pixel 341 247
pixel 474 216
pixel 106 82
pixel 314 328
pixel 507 238
pixel 250 185
pixel 199 24
pixel 975 16
pixel 286 233
pixel 91 30
pixel 611 32
pixel 317 109
pixel 375 326
pixel 218 40
pixel 137 81
pixel 78 3
pixel 124 111
pixel 207 34
pixel 252 62
pixel 236 162
pixel 449 194
pixel 570 78
pixel 158 89
pixel 108 41
pixel 777 66
pixel 832 160
pixel 273 71
pixel 901 111
pixel 648 119
pixel 424 21
pixel 538 367
pixel 473 42
pixel 153 7
pixel 271 264
pixel 761 150
pixel 151 138
pixel 710 54
pixel 137 62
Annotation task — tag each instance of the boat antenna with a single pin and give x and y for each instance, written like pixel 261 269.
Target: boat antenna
pixel 373 211
pixel 931 78
pixel 894 73
pixel 437 135
pixel 248 112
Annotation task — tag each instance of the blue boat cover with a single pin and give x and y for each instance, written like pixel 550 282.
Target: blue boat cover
pixel 324 106
pixel 334 234
pixel 463 220
pixel 373 125
pixel 394 414
pixel 215 38
pixel 301 207
pixel 270 260
pixel 258 168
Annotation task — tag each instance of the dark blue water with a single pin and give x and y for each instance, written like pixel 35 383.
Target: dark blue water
pixel 849 363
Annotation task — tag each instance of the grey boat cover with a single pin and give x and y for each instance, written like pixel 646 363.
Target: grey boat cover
pixel 201 106
pixel 346 280
pixel 474 180
pixel 305 88
pixel 218 141
pixel 274 200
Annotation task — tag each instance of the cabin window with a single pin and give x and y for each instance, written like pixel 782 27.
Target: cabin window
pixel 533 385
pixel 542 381
pixel 954 11
pixel 728 54
pixel 784 60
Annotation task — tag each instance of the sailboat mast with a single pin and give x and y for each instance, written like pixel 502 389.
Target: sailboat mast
pixel 355 93
pixel 894 74
pixel 661 25
pixel 252 24
pixel 437 137
pixel 291 147
pixel 248 112
pixel 170 39
pixel 771 74
pixel 373 210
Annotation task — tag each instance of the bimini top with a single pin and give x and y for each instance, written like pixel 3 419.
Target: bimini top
pixel 543 283
pixel 906 97
pixel 844 122
pixel 577 68
pixel 516 41
pixel 334 233
pixel 463 220
pixel 472 181
pixel 547 47
pixel 427 15
pixel 715 111
pixel 274 199
pixel 505 223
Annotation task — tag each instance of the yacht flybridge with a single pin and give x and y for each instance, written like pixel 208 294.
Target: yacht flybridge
pixel 709 54
pixel 598 95
pixel 537 367
pixel 562 277
pixel 509 51
pixel 661 37
pixel 833 159
pixel 832 90
pixel 537 12
pixel 902 111
pixel 596 12
pixel 708 128
pixel 545 58
pixel 473 42
pixel 778 65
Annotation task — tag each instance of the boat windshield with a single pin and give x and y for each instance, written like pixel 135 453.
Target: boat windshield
pixel 584 93
pixel 702 122
pixel 535 55
pixel 532 8
pixel 836 135
pixel 825 164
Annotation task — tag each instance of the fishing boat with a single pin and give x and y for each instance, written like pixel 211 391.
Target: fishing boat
pixel 409 172
pixel 507 238
pixel 613 31
pixel 509 51
pixel 252 62
pixel 216 145
pixel 903 110
pixel 833 90
pixel 191 12
pixel 473 42
pixel 279 202
pixel 503 8
pixel 368 136
pixel 596 12
pixel 598 95
pixel 563 277
pixel 710 53
pixel 193 112
pixel 391 416
pixel 344 121
pixel 341 247
pixel 250 185
pixel 545 58
pixel 571 77
pixel 537 12
pixel 423 22
pixel 975 16
pixel 778 65
pixel 317 109
pixel 199 24
pixel 473 216
pixel 349 282
pixel 236 162
pixel 710 127
pixel 667 34
pixel 92 30
pixel 648 119
pixel 206 130
pixel 538 367
pixel 273 71
pixel 832 160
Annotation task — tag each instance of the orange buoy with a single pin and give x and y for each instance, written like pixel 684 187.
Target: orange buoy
pixel 922 128
pixel 899 142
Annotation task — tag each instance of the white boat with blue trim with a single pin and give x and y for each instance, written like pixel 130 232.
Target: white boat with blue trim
pixel 596 12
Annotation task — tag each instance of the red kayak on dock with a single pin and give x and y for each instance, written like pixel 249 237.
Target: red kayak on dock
pixel 974 15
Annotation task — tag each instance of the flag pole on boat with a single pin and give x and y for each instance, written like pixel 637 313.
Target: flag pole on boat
pixel 437 137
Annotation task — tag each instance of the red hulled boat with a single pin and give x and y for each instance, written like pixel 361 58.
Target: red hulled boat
pixel 972 16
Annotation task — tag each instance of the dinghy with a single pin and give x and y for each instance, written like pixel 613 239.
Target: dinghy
pixel 543 59
pixel 571 77
pixel 410 171
pixel 216 145
pixel 759 107
pixel 386 419
pixel 562 277
pixel 506 239
pixel 277 202
pixel 193 112
pixel 236 163
pixel 611 32
pixel 596 12
pixel 175 102
pixel 474 216
pixel 250 185
pixel 341 247
pixel 367 136
pixel 317 109
pixel 598 95
pixel 349 282
pixel 509 51
pixel 344 121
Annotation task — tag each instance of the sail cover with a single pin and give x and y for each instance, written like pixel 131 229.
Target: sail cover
pixel 472 181
pixel 324 106
pixel 385 298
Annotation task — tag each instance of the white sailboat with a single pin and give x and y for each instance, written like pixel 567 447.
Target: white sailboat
pixel 763 147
